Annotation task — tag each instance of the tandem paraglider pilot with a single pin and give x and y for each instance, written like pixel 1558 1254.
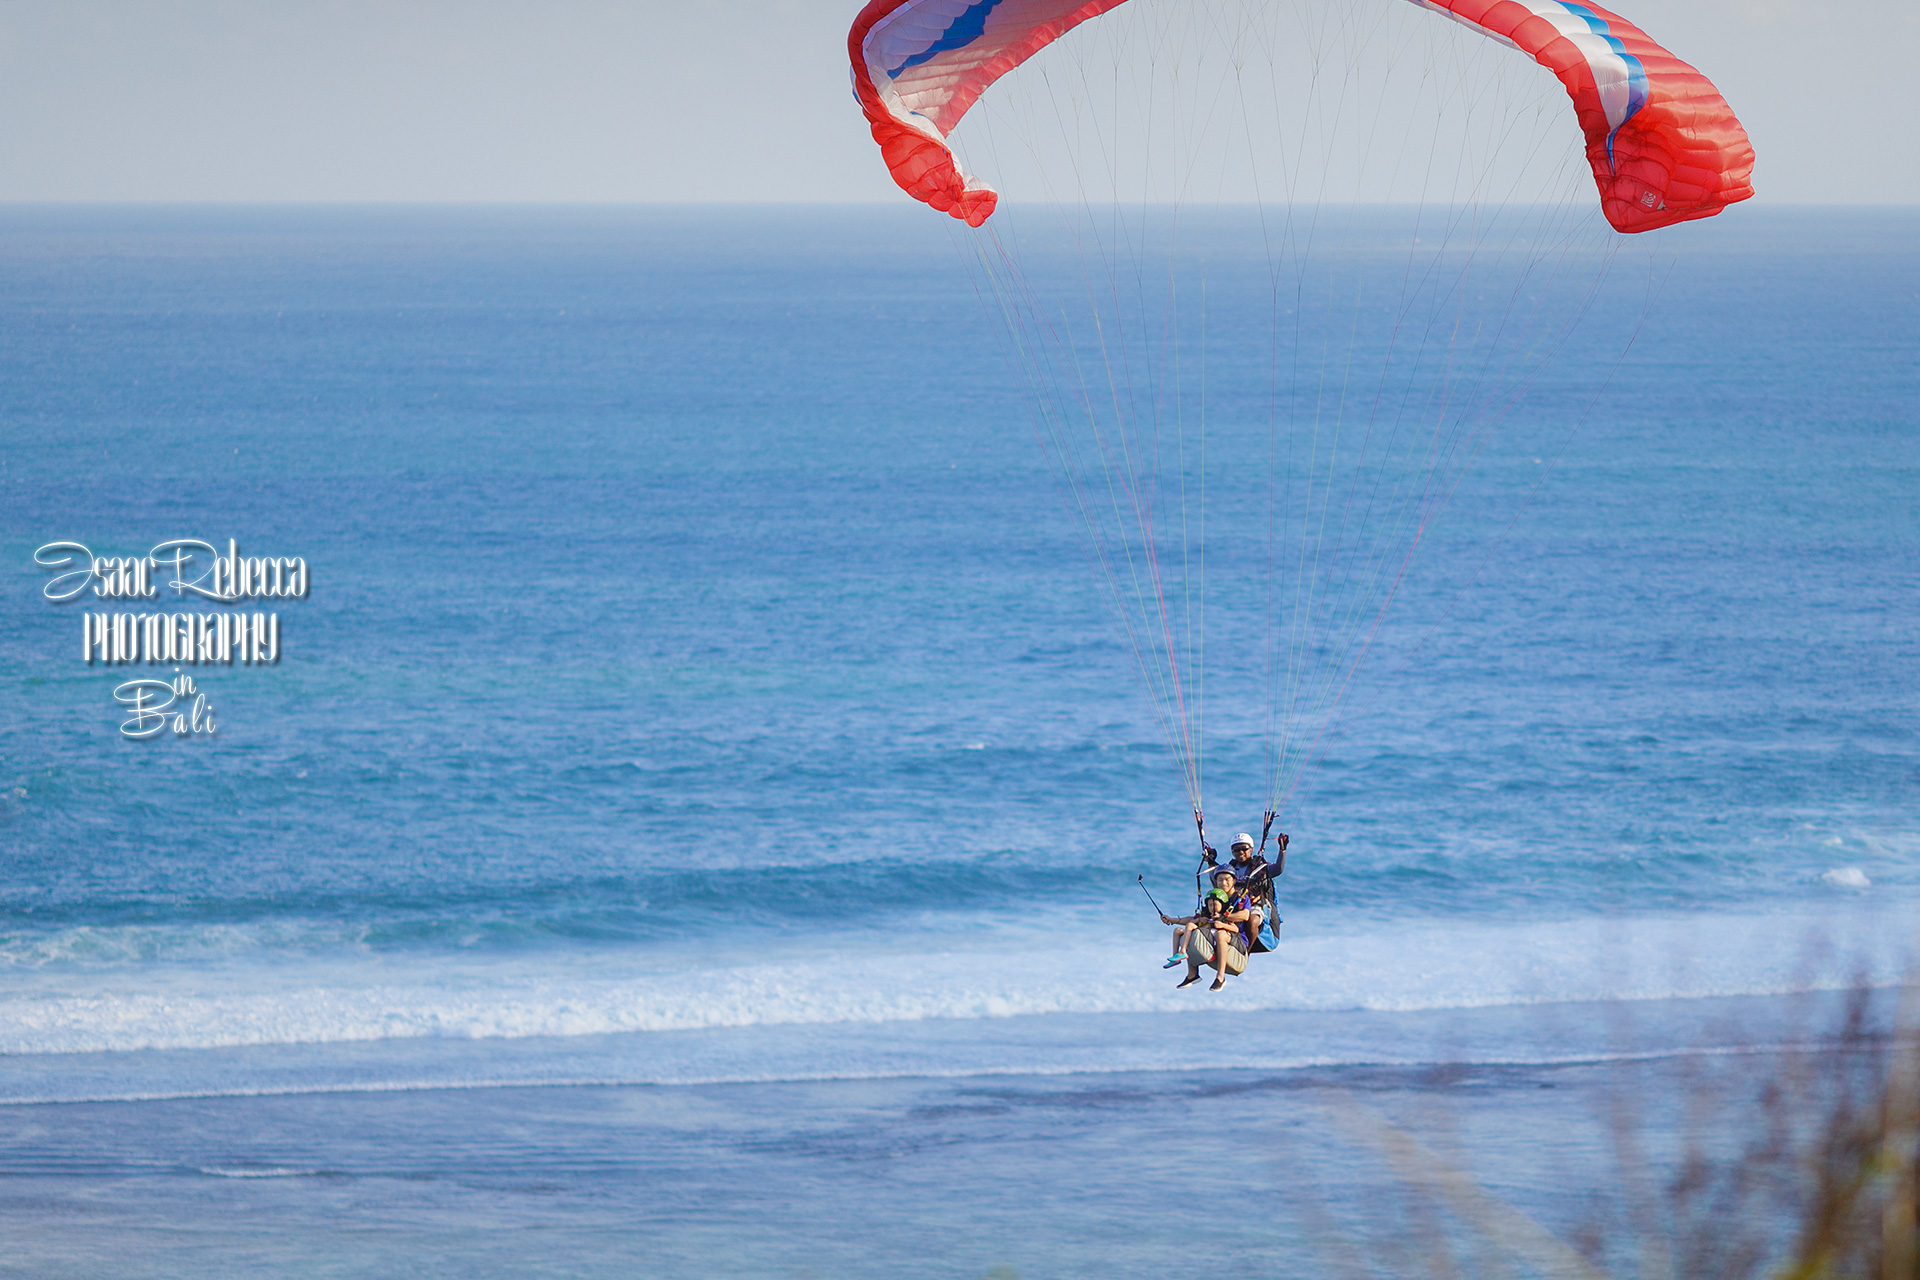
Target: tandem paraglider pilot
pixel 1234 918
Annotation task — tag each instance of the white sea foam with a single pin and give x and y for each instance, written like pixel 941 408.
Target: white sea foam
pixel 125 946
pixel 1846 878
pixel 881 979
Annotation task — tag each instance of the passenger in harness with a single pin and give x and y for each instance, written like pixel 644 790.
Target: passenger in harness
pixel 1213 904
pixel 1223 915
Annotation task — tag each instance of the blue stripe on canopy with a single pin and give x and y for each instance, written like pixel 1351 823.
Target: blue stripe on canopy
pixel 963 31
pixel 1636 73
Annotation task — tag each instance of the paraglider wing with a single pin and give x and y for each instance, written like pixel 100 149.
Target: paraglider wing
pixel 919 64
pixel 1663 143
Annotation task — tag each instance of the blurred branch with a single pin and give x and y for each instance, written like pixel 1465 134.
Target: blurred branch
pixel 1500 1224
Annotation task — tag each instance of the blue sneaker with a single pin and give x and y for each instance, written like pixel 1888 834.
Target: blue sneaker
pixel 1172 961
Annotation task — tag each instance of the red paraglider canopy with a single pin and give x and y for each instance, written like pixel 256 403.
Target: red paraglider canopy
pixel 1664 145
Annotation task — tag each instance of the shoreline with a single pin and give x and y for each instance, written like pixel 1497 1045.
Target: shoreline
pixel 1038 1046
pixel 1063 1175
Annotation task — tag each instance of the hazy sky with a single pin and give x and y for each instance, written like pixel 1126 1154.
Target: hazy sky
pixel 647 101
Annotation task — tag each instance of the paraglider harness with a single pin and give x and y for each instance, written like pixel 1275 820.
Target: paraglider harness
pixel 1259 886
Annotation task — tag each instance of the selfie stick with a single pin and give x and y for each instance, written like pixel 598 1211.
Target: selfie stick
pixel 1148 892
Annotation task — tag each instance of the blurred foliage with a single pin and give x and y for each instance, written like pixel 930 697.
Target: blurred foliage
pixel 1805 1168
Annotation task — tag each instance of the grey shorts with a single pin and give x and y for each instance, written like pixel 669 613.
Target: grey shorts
pixel 1200 949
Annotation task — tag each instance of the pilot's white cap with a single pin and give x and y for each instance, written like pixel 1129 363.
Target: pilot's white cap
pixel 1242 839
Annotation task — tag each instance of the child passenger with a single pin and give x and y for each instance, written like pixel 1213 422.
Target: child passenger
pixel 1223 910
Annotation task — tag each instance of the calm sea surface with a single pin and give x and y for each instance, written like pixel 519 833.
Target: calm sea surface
pixel 693 825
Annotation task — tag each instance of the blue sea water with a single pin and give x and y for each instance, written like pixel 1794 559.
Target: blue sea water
pixel 703 699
